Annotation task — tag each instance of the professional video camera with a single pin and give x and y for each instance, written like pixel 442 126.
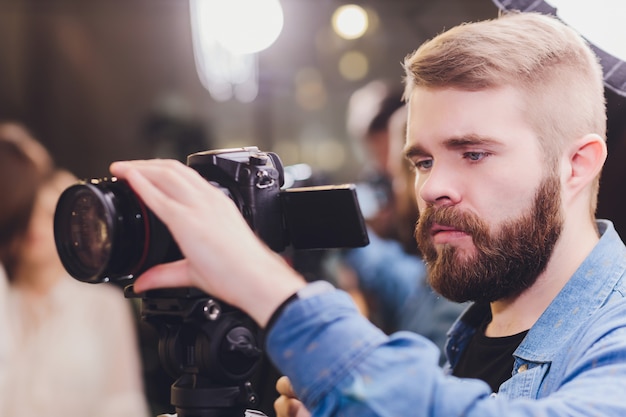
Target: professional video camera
pixel 104 232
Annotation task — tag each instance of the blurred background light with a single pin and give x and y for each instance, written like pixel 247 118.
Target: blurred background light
pixel 310 91
pixel 226 37
pixel 297 172
pixel 288 149
pixel 353 65
pixel 350 21
pixel 329 154
pixel 240 26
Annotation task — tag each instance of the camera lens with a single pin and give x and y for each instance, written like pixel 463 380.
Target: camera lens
pixel 89 230
pixel 103 232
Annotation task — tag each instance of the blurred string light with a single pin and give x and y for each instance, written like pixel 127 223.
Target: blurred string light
pixel 353 65
pixel 310 92
pixel 227 35
pixel 350 21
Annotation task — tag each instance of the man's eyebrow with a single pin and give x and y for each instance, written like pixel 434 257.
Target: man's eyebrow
pixel 470 140
pixel 414 151
pixel 460 142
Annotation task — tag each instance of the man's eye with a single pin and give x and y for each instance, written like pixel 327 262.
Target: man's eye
pixel 424 164
pixel 474 156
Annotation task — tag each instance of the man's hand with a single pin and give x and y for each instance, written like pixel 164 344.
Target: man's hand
pixel 223 256
pixel 288 404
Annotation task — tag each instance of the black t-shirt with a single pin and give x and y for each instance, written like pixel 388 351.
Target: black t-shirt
pixel 488 358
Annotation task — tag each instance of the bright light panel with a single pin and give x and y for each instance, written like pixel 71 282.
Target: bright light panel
pixel 599 21
pixel 241 26
pixel 226 35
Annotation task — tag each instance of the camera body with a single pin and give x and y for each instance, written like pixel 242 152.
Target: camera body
pixel 104 232
pixel 252 179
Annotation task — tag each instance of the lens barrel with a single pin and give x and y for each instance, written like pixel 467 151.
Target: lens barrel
pixel 104 232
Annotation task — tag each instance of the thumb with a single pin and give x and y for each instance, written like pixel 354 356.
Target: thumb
pixel 173 274
pixel 283 386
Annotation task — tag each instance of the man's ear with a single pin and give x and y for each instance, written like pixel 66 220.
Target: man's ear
pixel 586 159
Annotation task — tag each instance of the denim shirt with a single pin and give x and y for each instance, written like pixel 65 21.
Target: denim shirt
pixel 571 363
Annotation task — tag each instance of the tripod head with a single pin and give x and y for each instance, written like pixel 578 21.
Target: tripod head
pixel 208 346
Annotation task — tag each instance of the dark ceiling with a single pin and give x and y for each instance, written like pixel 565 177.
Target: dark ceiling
pixel 87 76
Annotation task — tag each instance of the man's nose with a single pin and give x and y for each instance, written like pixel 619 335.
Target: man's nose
pixel 439 187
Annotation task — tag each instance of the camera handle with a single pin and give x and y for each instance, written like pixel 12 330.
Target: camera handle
pixel 210 347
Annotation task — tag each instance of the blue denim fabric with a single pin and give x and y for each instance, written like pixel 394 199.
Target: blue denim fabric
pixel 572 362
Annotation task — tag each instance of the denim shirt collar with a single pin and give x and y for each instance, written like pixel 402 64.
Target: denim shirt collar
pixel 586 291
pixel 565 312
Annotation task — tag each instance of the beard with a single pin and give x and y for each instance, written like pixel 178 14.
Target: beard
pixel 506 262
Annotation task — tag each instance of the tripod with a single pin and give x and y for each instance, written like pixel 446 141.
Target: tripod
pixel 211 348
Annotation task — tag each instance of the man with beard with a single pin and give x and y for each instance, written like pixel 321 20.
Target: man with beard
pixel 506 131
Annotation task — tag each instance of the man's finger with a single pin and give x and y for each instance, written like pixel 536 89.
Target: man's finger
pixel 283 386
pixel 289 407
pixel 173 274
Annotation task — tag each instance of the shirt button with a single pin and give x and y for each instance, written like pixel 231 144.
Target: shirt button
pixel 523 368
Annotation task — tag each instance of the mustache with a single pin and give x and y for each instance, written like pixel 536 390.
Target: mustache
pixel 466 222
pixel 449 217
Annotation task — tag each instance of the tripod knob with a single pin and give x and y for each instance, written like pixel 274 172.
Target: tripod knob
pixel 241 340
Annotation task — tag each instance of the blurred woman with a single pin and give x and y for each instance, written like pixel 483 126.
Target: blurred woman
pixel 68 348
